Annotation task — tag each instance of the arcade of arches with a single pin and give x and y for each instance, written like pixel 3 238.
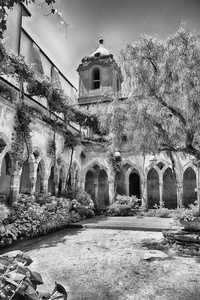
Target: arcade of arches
pixel 159 186
pixel 33 178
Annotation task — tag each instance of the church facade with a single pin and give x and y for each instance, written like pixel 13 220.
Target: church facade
pixel 150 179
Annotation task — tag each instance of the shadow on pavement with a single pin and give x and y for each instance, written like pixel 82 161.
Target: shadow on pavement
pixel 50 240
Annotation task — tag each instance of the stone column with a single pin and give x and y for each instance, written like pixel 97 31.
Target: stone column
pixel 96 189
pixel 180 194
pixel 144 193
pixel 111 183
pixel 14 189
pixel 82 184
pixel 127 184
pixel 33 176
pixel 45 185
pixel 63 186
pixel 161 192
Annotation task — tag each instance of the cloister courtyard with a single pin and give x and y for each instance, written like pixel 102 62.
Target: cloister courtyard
pixel 112 264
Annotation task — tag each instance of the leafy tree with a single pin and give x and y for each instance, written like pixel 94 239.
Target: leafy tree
pixel 9 4
pixel 163 93
pixel 161 105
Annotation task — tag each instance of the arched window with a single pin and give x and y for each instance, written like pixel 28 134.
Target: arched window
pixel 96 79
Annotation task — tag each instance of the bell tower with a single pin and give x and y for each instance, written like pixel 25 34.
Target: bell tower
pixel 99 76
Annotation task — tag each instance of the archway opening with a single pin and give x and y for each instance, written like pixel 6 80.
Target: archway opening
pixel 134 184
pixel 76 179
pixel 25 183
pixel 153 194
pixel 120 184
pixel 51 182
pixel 39 185
pixel 189 185
pixel 60 184
pixel 169 190
pixel 103 193
pixel 89 184
pixel 5 181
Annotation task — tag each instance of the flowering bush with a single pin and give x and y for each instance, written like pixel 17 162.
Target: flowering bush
pixel 124 206
pixel 33 216
pixel 158 211
pixel 83 211
pixel 4 212
pixel 84 199
pixel 188 214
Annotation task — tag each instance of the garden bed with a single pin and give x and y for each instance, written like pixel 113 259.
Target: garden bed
pixel 33 216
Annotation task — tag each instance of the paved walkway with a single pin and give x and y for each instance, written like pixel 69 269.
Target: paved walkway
pixel 128 223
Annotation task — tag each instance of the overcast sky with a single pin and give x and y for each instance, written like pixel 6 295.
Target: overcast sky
pixel 118 21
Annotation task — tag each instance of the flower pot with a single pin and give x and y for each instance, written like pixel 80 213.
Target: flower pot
pixel 190 225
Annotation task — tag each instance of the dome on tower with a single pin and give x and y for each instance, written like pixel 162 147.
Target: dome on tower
pixel 100 53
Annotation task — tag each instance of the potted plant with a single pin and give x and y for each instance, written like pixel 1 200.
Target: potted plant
pixel 189 218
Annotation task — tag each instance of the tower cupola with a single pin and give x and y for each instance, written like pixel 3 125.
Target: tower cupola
pixel 99 76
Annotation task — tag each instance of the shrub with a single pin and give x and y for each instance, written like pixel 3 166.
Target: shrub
pixel 124 206
pixel 160 212
pixel 187 214
pixel 4 213
pixel 33 216
pixel 84 198
pixel 82 210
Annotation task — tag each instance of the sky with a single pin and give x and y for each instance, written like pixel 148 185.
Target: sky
pixel 117 21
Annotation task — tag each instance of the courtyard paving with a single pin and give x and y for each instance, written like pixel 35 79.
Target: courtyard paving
pixel 103 263
pixel 128 223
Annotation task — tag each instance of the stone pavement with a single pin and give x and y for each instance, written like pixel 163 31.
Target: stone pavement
pixel 128 223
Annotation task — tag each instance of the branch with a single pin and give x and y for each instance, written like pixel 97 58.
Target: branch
pixel 175 112
pixel 191 151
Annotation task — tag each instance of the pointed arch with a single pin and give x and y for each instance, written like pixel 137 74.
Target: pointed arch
pixel 38 157
pixel 169 189
pixel 89 184
pixel 25 179
pixel 103 190
pixel 51 181
pixel 134 183
pixel 93 166
pixel 189 185
pixel 5 180
pixel 40 175
pixel 153 194
pixel 5 143
pixel 120 187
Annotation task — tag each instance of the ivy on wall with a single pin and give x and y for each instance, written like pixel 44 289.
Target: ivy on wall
pixel 114 162
pixel 21 135
pixel 57 102
pixel 7 93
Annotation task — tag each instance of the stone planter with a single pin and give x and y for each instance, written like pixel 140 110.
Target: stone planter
pixel 191 225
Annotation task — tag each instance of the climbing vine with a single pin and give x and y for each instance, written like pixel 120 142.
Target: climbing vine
pixel 114 162
pixel 9 4
pixel 22 134
pixel 51 150
pixel 57 102
pixel 71 140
